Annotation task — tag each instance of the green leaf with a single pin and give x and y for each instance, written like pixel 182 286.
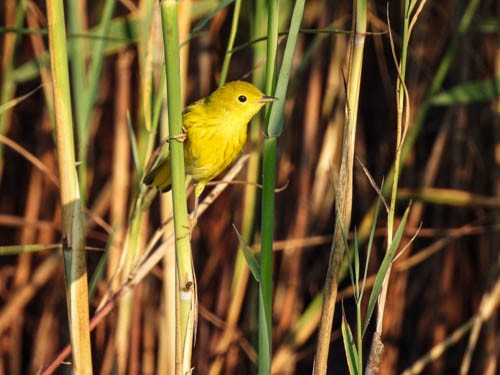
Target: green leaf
pixel 470 92
pixel 22 249
pixel 351 353
pixel 100 269
pixel 249 255
pixel 386 262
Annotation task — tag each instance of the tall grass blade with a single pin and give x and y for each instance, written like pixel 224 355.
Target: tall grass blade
pixel 370 242
pixel 13 102
pixel 250 257
pixel 275 125
pixel 470 92
pixel 22 249
pixel 273 130
pixel 346 245
pixel 356 265
pixel 386 262
pixel 97 57
pixel 351 353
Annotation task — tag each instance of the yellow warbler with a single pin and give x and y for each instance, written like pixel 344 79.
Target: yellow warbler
pixel 216 131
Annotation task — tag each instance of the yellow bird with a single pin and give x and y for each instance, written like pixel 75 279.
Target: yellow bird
pixel 215 133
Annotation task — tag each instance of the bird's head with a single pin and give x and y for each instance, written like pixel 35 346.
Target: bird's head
pixel 239 98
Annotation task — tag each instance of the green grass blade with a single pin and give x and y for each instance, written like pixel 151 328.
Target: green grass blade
pixel 351 353
pixel 370 244
pixel 454 44
pixel 379 279
pixel 275 126
pixel 467 93
pixel 22 249
pixel 346 246
pixel 100 269
pixel 97 59
pixel 13 102
pixel 250 257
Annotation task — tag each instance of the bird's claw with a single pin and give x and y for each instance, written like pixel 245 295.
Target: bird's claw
pixel 179 137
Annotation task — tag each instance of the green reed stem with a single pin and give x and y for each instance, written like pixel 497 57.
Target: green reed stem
pixel 267 214
pixel 185 273
pixel 273 130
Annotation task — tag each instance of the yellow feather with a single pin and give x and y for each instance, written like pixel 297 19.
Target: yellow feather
pixel 216 128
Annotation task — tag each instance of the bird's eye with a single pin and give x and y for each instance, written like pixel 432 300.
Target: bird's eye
pixel 242 98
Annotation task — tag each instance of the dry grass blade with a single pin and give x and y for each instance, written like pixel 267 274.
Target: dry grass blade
pixel 144 267
pixel 345 184
pixel 31 158
pixel 489 304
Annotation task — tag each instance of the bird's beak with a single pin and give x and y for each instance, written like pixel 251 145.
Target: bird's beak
pixel 267 99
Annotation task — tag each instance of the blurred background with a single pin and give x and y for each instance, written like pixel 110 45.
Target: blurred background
pixel 450 172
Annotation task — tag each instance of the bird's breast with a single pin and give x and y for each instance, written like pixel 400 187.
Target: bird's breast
pixel 210 149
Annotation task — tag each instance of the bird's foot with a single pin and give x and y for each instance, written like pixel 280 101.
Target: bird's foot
pixel 179 137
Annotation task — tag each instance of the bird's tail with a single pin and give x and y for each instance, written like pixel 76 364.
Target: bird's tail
pixel 160 176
